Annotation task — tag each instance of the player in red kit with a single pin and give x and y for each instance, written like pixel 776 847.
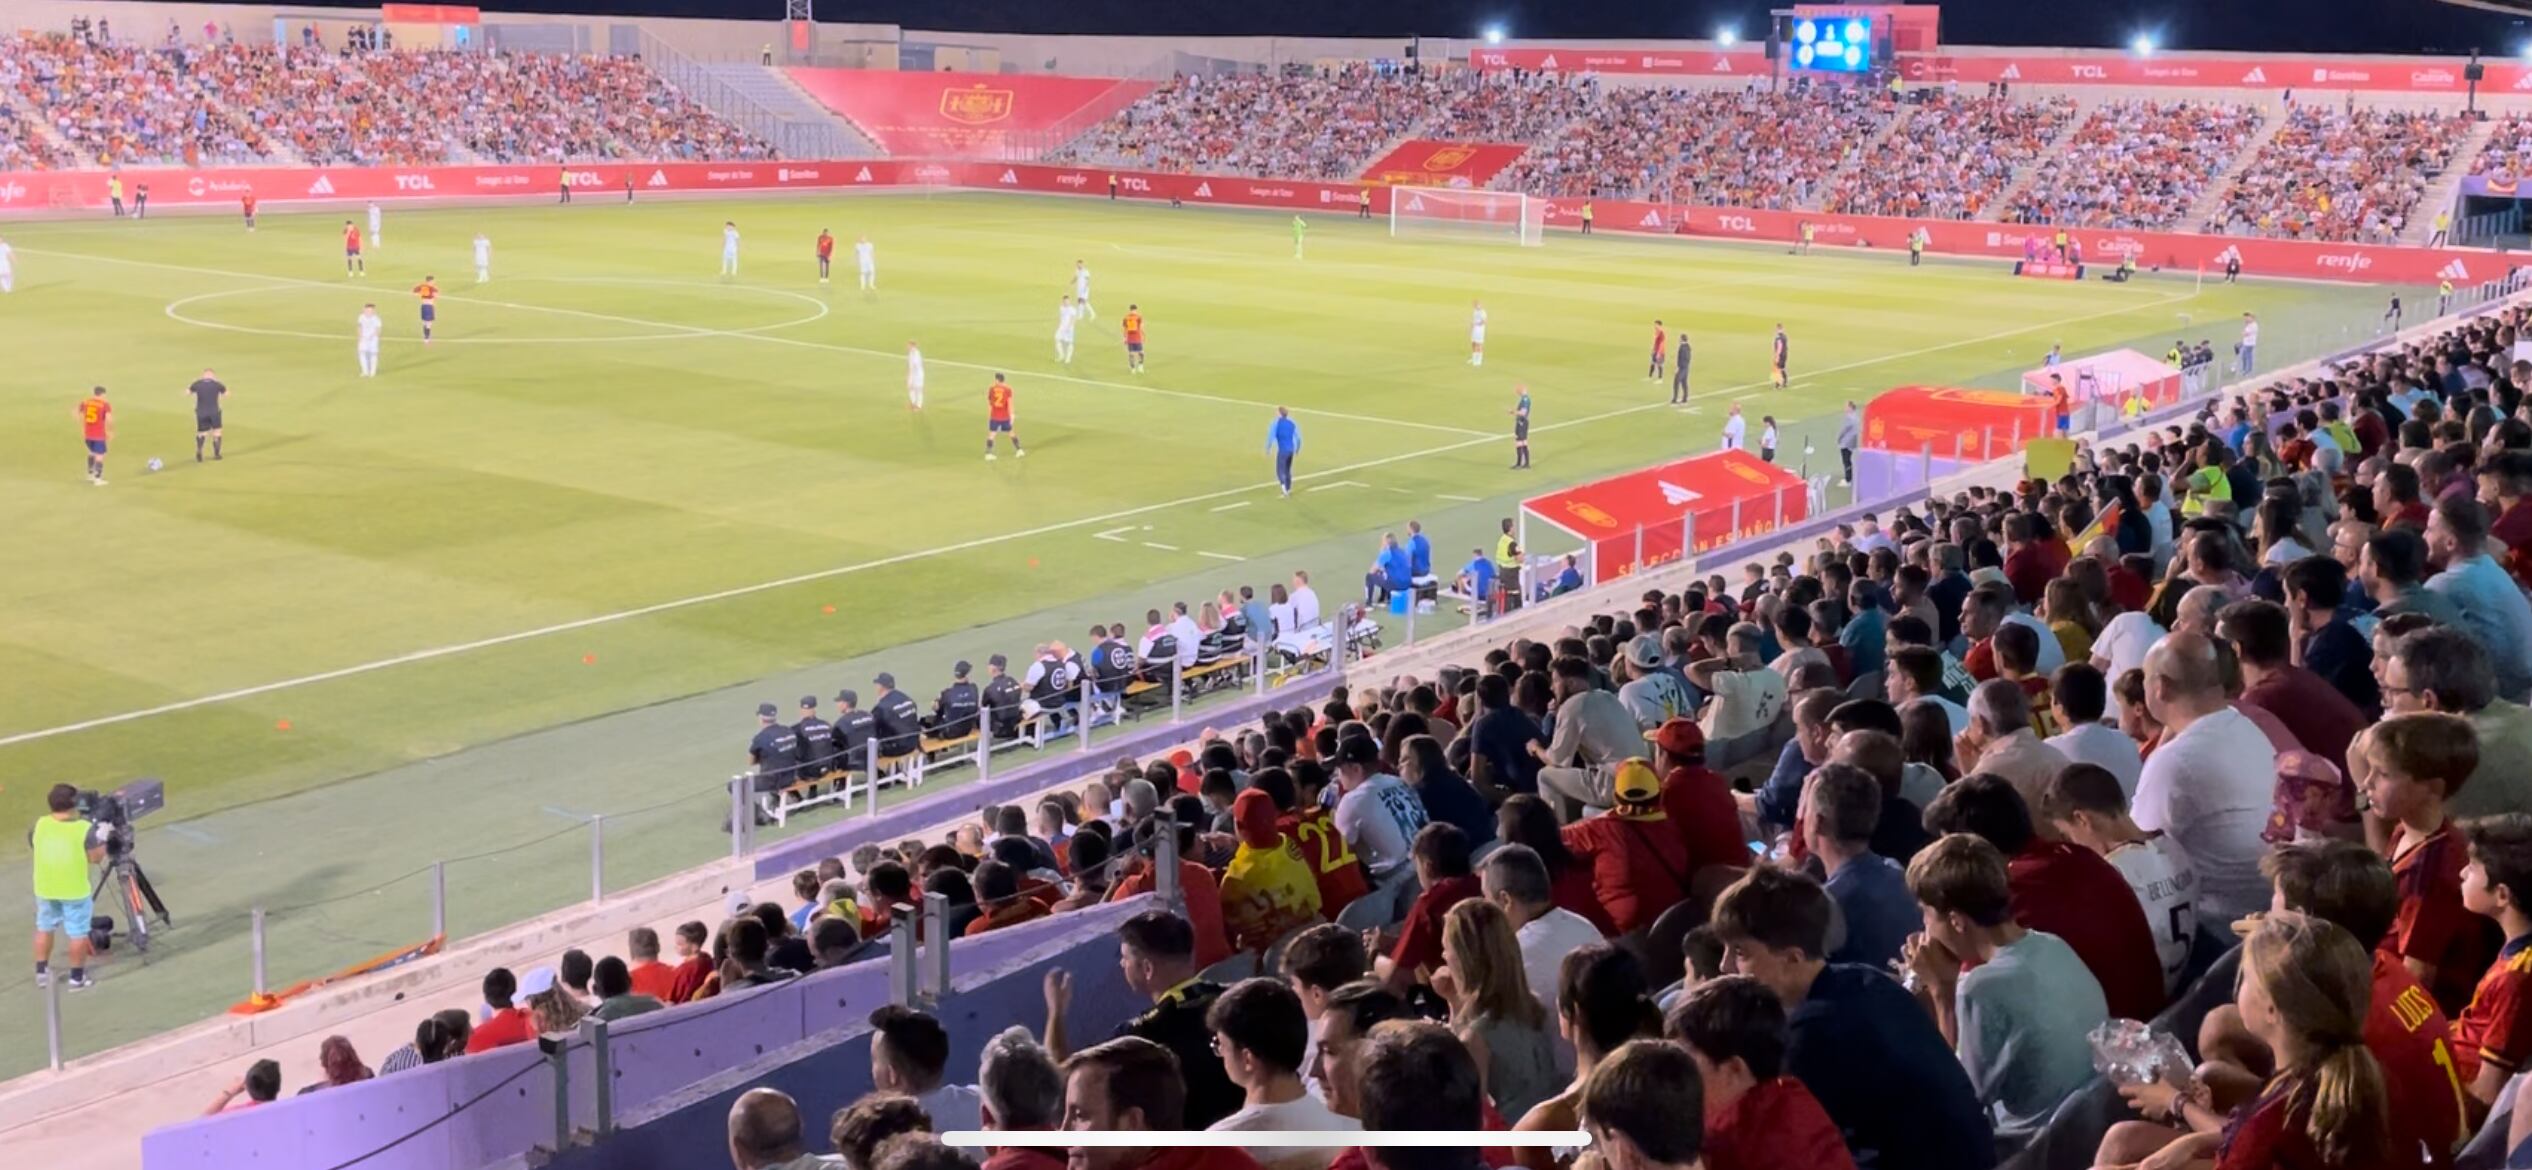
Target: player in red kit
pixel 352 263
pixel 1661 350
pixel 826 253
pixel 246 203
pixel 429 293
pixel 998 417
pixel 96 423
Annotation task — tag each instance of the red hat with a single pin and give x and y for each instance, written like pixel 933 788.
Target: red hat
pixel 1254 814
pixel 1679 737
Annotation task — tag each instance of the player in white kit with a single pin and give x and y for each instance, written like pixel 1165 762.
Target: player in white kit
pixel 914 377
pixel 8 268
pixel 370 327
pixel 864 260
pixel 1081 289
pixel 483 258
pixel 729 249
pixel 1476 333
pixel 376 237
pixel 1064 318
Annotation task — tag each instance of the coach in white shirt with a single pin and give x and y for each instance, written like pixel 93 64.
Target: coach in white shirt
pixel 2211 782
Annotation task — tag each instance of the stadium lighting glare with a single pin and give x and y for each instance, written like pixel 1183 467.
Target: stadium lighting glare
pixel 2524 51
pixel 1727 36
pixel 2142 45
pixel 1494 34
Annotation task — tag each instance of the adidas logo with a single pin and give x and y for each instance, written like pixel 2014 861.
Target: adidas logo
pixel 1723 64
pixel 1010 177
pixel 322 186
pixel 1204 190
pixel 1415 202
pixel 1652 219
pixel 2255 77
pixel 862 175
pixel 2011 73
pixel 1548 61
pixel 2453 271
pixel 2229 255
pixel 657 179
pixel 1675 495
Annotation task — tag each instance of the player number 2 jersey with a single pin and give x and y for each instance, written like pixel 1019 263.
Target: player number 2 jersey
pixel 998 403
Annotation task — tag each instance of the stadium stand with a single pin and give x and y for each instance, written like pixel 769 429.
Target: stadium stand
pixel 2340 174
pixel 1772 148
pixel 1604 151
pixel 2136 163
pixel 1511 107
pixel 1296 123
pixel 1951 156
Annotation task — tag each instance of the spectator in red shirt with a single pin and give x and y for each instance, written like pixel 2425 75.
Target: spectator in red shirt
pixel 1130 1084
pixel 1527 820
pixel 695 964
pixel 1441 858
pixel 650 976
pixel 1982 612
pixel 2495 1032
pixel 1756 1117
pixel 1201 894
pixel 1696 799
pixel 1022 1091
pixel 2030 563
pixel 884 885
pixel 2062 889
pixel 2396 498
pixel 2410 766
pixel 2322 719
pixel 1638 862
pixel 511 1022
pixel 998 894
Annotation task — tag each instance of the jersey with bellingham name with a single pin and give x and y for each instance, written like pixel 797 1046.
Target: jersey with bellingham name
pixel 95 414
pixel 998 402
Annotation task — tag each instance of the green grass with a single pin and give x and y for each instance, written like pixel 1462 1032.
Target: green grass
pixel 606 434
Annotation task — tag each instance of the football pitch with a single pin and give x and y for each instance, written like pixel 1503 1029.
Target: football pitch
pixel 452 608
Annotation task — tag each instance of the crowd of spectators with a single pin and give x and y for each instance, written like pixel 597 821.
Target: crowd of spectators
pixel 2507 156
pixel 2018 761
pixel 1614 149
pixel 1773 148
pixel 1511 107
pixel 218 102
pixel 2137 164
pixel 1950 155
pixel 2341 173
pixel 1296 122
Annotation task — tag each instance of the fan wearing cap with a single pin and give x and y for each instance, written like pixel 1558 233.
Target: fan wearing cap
pixel 853 729
pixel 954 712
pixel 900 725
pixel 775 751
pixel 1696 799
pixel 1653 693
pixel 1267 890
pixel 1639 864
pixel 817 740
pixel 513 1024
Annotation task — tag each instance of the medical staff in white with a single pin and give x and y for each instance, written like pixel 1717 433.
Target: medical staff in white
pixel 483 258
pixel 1064 318
pixel 370 327
pixel 729 249
pixel 1476 333
pixel 864 260
pixel 914 377
pixel 1081 288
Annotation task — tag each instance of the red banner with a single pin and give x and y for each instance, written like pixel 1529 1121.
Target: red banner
pixel 1723 497
pixel 2043 270
pixel 1425 162
pixel 919 114
pixel 1706 62
pixel 34 192
pixel 1968 424
pixel 430 14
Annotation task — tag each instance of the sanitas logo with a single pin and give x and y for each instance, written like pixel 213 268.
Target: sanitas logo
pixel 322 186
pixel 2345 261
pixel 414 183
pixel 800 175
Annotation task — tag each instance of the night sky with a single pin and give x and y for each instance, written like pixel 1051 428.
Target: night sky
pixel 2346 26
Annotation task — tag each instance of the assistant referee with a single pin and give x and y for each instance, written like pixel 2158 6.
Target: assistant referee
pixel 208 394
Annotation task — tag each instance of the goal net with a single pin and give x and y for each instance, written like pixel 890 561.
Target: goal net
pixel 1508 216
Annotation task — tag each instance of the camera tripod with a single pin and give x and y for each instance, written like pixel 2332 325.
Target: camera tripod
pixel 132 893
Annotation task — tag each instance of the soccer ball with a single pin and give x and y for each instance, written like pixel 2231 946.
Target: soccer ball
pixel 154 464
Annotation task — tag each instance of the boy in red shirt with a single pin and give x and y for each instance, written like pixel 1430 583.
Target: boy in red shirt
pixel 2410 766
pixel 1312 829
pixel 1757 1118
pixel 694 963
pixel 2493 1037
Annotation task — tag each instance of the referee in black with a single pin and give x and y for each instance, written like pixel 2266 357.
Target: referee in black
pixel 207 393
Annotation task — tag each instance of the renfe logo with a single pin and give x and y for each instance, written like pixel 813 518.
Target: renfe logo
pixel 11 192
pixel 1072 179
pixel 2345 261
pixel 2089 72
pixel 414 183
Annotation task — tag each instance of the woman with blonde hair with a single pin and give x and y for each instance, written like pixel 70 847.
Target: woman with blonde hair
pixel 2306 985
pixel 1492 1009
pixel 2070 616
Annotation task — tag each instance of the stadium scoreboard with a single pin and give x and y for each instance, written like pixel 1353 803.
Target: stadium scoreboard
pixel 1836 44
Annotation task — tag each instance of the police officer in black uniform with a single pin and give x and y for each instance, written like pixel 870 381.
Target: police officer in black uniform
pixel 954 712
pixel 853 729
pixel 775 751
pixel 1002 698
pixel 900 723
pixel 1111 662
pixel 817 740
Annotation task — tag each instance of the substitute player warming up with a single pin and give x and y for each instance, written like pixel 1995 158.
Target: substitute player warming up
pixel 1521 428
pixel 430 296
pixel 96 425
pixel 998 418
pixel 1133 338
pixel 208 394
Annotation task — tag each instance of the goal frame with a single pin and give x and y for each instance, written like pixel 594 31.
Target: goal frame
pixel 1526 225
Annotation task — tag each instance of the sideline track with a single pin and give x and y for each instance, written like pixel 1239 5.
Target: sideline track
pixel 459 648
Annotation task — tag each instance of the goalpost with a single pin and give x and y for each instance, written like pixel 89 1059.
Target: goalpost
pixel 1507 216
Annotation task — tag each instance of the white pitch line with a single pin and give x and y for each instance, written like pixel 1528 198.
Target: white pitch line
pixel 1219 556
pixel 1461 499
pixel 687 332
pixel 1158 545
pixel 1111 534
pixel 1229 506
pixel 457 648
pixel 1343 483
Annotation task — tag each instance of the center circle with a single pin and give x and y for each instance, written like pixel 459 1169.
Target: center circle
pixel 661 330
